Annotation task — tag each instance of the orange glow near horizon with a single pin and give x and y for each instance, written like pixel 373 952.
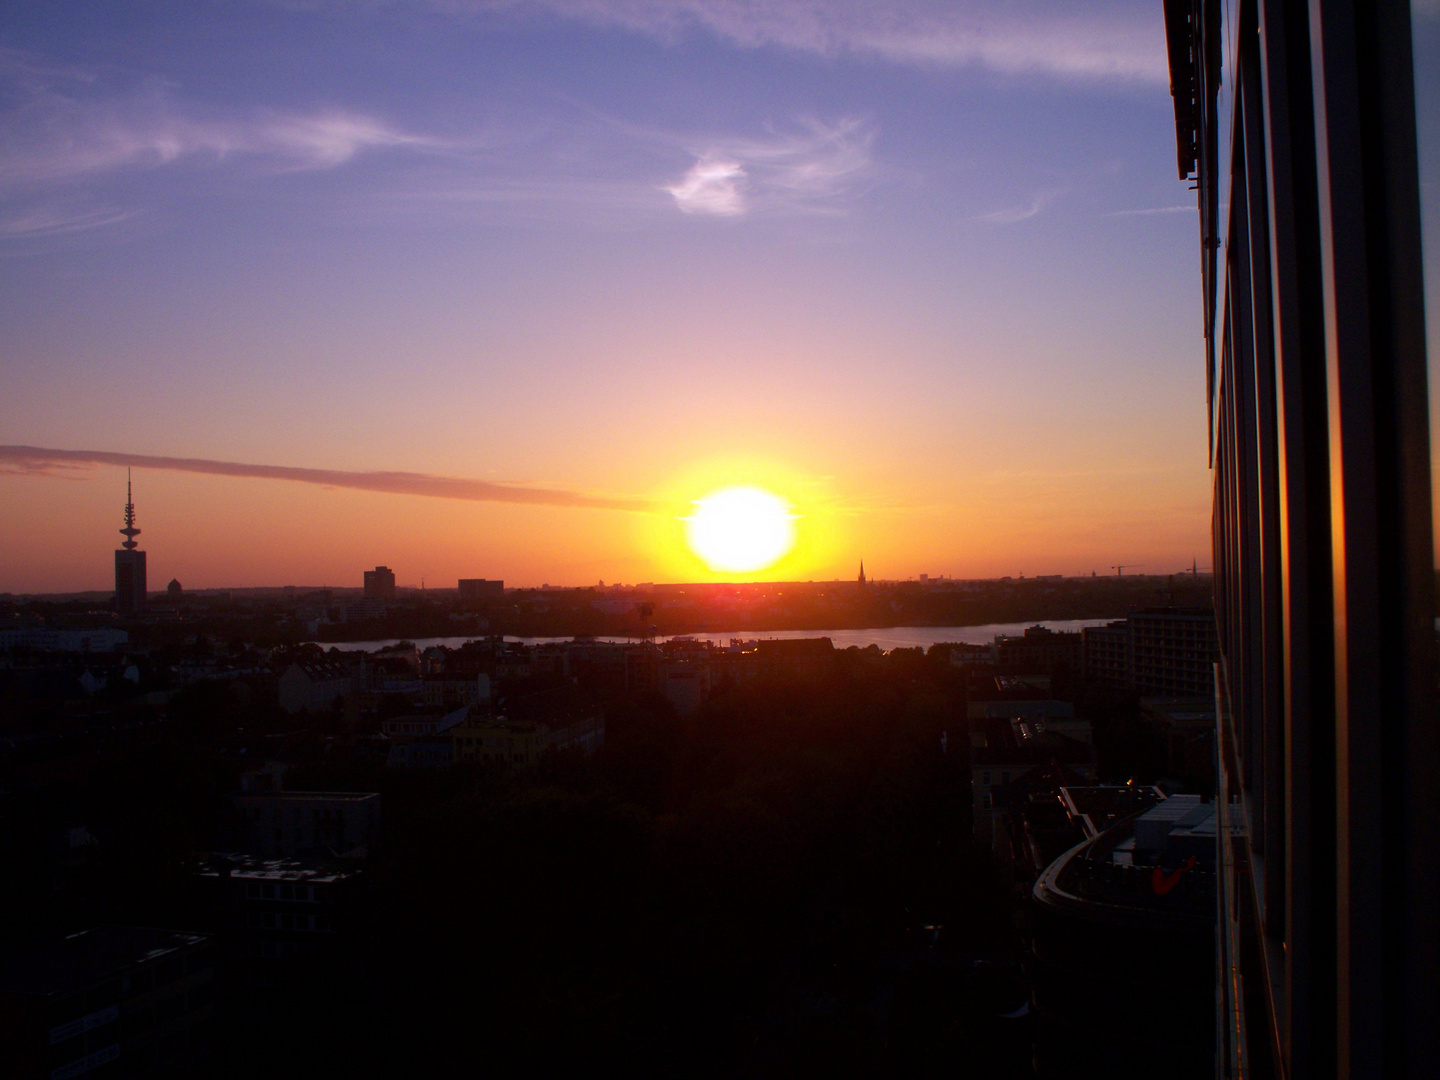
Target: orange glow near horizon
pixel 235 532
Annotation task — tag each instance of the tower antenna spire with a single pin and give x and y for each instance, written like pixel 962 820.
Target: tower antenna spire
pixel 130 531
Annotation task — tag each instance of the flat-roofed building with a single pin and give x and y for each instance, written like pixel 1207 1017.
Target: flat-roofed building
pixel 477 590
pixel 303 823
pixel 127 1001
pixel 273 915
pixel 380 584
pixel 1039 649
pixel 1005 750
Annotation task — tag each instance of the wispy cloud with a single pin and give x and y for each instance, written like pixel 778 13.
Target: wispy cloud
pixel 1150 211
pixel 52 220
pixel 1100 39
pixel 36 460
pixel 711 187
pixel 69 144
pixel 106 138
pixel 1022 212
pixel 65 123
pixel 69 136
pixel 809 169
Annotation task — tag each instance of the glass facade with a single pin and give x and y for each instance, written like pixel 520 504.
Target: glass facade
pixel 1296 123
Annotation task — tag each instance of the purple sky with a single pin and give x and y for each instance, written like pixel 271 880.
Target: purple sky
pixel 923 268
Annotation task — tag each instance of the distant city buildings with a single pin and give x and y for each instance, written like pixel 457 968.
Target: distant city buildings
pixel 380 584
pixel 100 639
pixel 474 590
pixel 129 564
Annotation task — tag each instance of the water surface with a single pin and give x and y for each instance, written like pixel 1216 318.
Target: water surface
pixel 889 637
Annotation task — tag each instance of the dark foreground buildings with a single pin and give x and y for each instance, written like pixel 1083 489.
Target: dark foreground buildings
pixel 1123 948
pixel 114 1001
pixel 1296 124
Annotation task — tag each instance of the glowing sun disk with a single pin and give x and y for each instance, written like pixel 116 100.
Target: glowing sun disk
pixel 740 529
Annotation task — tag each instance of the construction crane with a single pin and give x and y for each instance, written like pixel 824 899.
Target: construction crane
pixel 1120 568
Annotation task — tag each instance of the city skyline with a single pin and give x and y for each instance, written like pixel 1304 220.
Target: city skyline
pixel 761 574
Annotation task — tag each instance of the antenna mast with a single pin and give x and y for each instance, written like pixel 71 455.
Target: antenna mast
pixel 130 531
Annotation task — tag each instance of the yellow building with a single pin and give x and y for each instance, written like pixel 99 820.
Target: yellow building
pixel 495 739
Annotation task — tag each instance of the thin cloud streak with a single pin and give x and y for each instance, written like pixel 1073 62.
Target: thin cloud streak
pixel 74 134
pixel 34 460
pixel 1114 42
pixel 100 140
pixel 1152 211
pixel 66 124
pixel 1012 214
pixel 50 221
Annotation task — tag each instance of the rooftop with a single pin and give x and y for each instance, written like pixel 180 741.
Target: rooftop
pixel 91 955
pixel 307 796
pixel 253 868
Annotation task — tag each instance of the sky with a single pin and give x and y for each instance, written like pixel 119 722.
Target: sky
pixel 500 288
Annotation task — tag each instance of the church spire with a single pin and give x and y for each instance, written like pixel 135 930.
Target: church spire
pixel 130 531
pixel 862 571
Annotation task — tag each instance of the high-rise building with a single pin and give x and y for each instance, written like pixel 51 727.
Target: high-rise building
pixel 380 583
pixel 1173 651
pixel 1163 650
pixel 1107 654
pixel 1315 343
pixel 129 563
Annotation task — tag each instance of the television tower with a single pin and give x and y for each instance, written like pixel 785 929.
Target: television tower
pixel 129 531
pixel 129 563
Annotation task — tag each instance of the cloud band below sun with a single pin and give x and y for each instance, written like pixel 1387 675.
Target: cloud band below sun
pixel 37 460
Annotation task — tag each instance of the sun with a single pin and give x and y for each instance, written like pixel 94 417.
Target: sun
pixel 740 529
